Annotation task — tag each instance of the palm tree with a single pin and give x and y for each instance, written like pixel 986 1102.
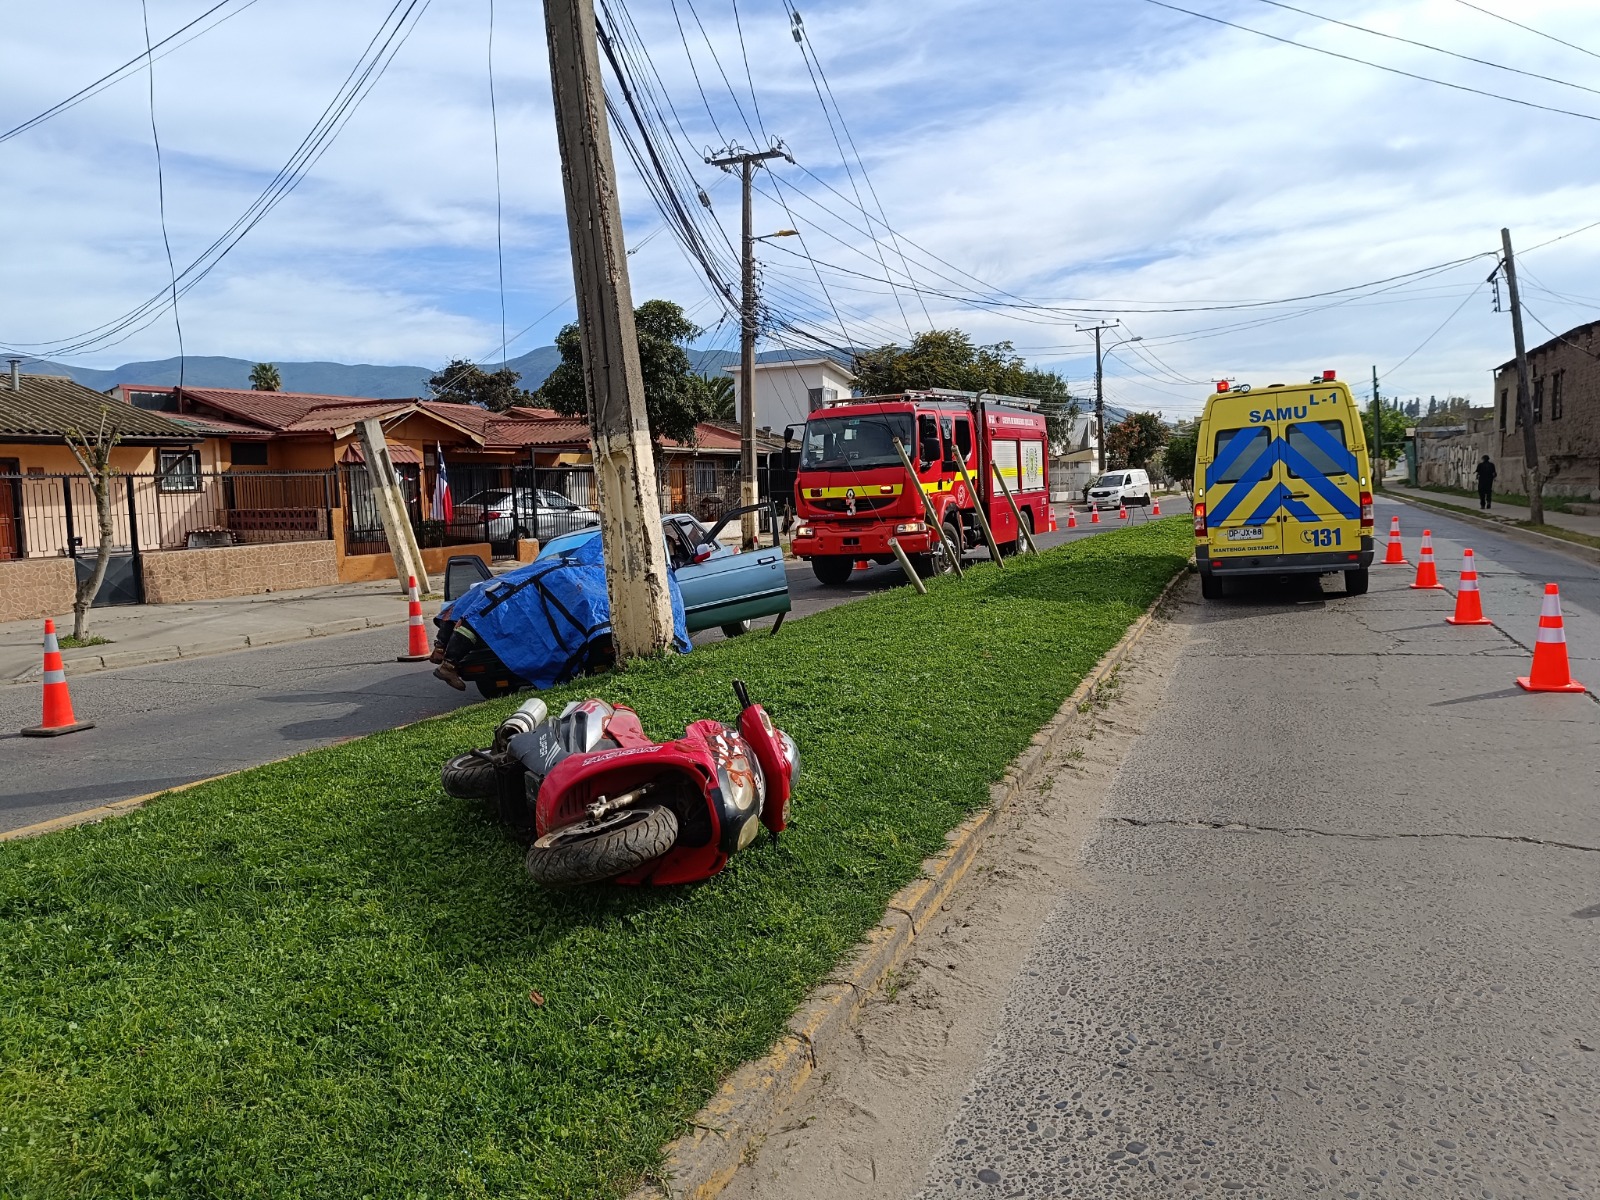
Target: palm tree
pixel 264 378
pixel 716 393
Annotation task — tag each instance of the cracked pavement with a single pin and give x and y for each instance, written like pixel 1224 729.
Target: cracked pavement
pixel 1335 930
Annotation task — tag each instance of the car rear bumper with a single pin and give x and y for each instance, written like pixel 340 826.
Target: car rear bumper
pixel 1320 562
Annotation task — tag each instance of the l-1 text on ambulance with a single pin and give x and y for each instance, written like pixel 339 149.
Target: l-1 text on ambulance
pixel 1282 485
pixel 851 488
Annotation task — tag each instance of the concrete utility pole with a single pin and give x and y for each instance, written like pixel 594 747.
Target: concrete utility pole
pixel 1099 394
pixel 1377 433
pixel 1530 439
pixel 624 464
pixel 746 161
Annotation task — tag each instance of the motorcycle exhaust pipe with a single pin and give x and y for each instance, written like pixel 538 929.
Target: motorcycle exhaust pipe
pixel 531 714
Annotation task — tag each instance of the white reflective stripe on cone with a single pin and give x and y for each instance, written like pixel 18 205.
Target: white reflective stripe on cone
pixel 55 677
pixel 1552 605
pixel 1552 633
pixel 51 646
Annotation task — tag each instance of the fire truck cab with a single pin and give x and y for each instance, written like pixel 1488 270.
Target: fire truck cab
pixel 852 491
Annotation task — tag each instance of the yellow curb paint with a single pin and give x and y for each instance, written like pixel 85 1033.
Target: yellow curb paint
pixel 699 1165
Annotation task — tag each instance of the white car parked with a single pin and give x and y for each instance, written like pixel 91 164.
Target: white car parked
pixel 1118 488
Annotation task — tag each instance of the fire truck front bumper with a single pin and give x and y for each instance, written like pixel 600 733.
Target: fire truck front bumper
pixel 820 539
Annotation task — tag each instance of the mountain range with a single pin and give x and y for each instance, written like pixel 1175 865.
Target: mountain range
pixel 337 379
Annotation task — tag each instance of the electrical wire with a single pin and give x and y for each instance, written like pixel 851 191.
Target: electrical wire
pixel 1530 29
pixel 1459 87
pixel 396 28
pixel 1394 37
pixel 1453 314
pixel 808 47
pixel 499 240
pixel 128 69
pixel 161 190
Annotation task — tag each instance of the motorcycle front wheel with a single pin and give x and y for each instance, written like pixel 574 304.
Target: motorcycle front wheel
pixel 469 776
pixel 588 852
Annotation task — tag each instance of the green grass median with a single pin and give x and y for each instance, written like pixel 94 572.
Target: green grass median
pixel 325 978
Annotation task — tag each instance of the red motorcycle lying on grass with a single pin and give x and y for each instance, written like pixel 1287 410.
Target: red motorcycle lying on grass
pixel 609 803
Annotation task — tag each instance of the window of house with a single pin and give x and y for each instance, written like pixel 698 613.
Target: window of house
pixel 1503 393
pixel 705 475
pixel 248 454
pixel 1538 400
pixel 178 471
pixel 1555 395
pixel 814 399
pixel 1516 409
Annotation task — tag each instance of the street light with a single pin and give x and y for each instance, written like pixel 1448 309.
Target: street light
pixel 1100 394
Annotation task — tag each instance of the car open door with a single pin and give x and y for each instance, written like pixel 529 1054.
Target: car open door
pixel 723 585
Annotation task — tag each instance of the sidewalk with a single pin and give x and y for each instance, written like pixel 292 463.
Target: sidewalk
pixel 147 633
pixel 1503 512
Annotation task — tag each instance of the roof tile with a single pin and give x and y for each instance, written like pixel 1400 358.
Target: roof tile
pixel 49 405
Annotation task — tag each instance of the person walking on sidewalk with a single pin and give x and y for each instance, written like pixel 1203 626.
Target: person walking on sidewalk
pixel 1486 474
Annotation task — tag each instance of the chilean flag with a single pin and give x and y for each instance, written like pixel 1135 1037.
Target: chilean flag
pixel 444 508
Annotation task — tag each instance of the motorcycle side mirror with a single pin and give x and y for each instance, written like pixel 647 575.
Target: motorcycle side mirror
pixel 704 552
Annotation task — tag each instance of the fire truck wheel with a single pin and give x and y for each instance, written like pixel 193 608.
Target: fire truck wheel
pixel 952 534
pixel 832 569
pixel 590 851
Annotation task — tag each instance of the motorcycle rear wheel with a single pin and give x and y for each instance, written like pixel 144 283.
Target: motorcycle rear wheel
pixel 589 852
pixel 469 777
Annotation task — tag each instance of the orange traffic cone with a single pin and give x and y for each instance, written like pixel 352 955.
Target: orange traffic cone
pixel 1469 606
pixel 1550 671
pixel 1396 556
pixel 1427 573
pixel 1072 518
pixel 417 643
pixel 1122 511
pixel 1050 514
pixel 1094 515
pixel 58 718
pixel 1155 507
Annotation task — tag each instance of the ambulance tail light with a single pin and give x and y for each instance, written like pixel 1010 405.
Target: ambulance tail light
pixel 1199 519
pixel 1366 512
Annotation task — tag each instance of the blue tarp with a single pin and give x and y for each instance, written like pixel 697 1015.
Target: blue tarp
pixel 539 618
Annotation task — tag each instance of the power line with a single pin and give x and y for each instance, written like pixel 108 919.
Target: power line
pixel 161 189
pixel 1530 29
pixel 1453 314
pixel 396 28
pixel 1459 87
pixel 1394 37
pixel 499 242
pixel 809 47
pixel 127 69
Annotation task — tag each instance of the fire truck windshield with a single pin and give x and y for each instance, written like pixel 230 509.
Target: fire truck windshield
pixel 845 443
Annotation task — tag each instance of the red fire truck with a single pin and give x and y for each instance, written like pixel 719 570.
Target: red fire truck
pixel 852 493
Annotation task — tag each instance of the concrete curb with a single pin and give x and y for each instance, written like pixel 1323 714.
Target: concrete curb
pixel 736 1121
pixel 111 660
pixel 1514 532
pixel 103 812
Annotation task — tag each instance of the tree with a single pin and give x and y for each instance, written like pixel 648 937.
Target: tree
pixel 93 452
pixel 717 393
pixel 264 377
pixel 1181 449
pixel 948 358
pixel 1134 440
pixel 674 403
pixel 1394 432
pixel 463 381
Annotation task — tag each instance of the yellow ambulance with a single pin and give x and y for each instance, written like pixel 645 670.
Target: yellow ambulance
pixel 1282 485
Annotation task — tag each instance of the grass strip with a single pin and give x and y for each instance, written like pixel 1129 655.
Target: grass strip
pixel 1515 499
pixel 325 978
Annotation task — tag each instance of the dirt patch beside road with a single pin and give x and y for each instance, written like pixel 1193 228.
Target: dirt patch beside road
pixel 872 1117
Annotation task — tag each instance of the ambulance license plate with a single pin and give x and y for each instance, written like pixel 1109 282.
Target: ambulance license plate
pixel 1247 533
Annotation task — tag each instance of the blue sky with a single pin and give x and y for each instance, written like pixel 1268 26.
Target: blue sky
pixel 1079 155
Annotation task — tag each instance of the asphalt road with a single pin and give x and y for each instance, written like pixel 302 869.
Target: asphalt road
pixel 166 724
pixel 1336 929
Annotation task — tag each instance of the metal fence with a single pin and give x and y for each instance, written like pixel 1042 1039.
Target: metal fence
pixel 56 515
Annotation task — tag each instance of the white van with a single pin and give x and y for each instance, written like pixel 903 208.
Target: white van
pixel 1117 488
